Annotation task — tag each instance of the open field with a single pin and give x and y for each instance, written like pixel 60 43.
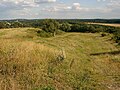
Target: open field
pixel 72 61
pixel 115 25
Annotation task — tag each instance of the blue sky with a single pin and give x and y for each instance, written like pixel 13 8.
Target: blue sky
pixel 62 9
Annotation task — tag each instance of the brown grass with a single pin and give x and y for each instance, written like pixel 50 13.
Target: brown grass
pixel 73 61
pixel 23 64
pixel 115 25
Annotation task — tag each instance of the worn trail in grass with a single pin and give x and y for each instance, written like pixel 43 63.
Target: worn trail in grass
pixel 92 62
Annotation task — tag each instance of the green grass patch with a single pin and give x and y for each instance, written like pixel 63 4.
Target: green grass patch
pixel 2 33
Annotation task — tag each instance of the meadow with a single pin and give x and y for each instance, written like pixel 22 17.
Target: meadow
pixel 71 61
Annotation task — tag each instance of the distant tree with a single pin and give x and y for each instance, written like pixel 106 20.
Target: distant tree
pixel 2 25
pixel 51 26
pixel 65 27
pixel 100 29
pixel 110 29
pixel 80 28
pixel 117 36
pixel 91 29
pixel 85 28
pixel 16 24
pixel 75 28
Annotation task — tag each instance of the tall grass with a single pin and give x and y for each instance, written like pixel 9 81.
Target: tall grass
pixel 23 64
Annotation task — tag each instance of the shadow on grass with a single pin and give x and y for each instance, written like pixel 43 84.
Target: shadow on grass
pixel 103 53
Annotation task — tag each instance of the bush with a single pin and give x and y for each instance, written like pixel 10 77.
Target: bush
pixel 50 26
pixel 65 27
pixel 91 29
pixel 110 29
pixel 44 34
pixel 75 28
pixel 83 28
pixel 59 32
pixel 2 25
pixel 103 34
pixel 117 36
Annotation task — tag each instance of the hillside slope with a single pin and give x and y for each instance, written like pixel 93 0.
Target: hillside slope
pixel 73 61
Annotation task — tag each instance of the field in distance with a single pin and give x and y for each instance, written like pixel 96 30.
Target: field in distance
pixel 72 61
pixel 106 24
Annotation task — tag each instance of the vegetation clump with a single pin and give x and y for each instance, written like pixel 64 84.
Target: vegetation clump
pixel 50 26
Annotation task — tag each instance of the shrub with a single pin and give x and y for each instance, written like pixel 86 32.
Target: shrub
pixel 50 26
pixel 44 34
pixel 110 29
pixel 2 25
pixel 59 32
pixel 91 29
pixel 16 24
pixel 76 28
pixel 83 28
pixel 117 36
pixel 65 27
pixel 103 34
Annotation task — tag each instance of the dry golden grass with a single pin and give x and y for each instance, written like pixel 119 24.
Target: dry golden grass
pixel 115 25
pixel 28 62
pixel 23 60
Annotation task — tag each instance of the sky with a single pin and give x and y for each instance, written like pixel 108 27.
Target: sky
pixel 59 9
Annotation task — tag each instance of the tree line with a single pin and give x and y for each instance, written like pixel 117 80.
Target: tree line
pixel 51 27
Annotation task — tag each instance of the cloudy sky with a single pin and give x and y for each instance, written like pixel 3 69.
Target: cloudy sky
pixel 75 9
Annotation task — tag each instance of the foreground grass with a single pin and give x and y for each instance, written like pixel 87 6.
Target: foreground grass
pixel 28 62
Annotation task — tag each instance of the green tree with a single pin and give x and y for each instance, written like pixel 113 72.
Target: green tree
pixel 50 26
pixel 2 25
pixel 91 29
pixel 75 28
pixel 16 24
pixel 117 36
pixel 65 27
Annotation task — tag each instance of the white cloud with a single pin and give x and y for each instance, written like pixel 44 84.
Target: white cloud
pixel 101 0
pixel 114 4
pixel 63 7
pixel 76 6
pixel 16 4
pixel 44 1
pixel 43 8
pixel 21 4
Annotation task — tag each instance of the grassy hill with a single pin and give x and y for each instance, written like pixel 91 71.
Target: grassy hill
pixel 72 61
